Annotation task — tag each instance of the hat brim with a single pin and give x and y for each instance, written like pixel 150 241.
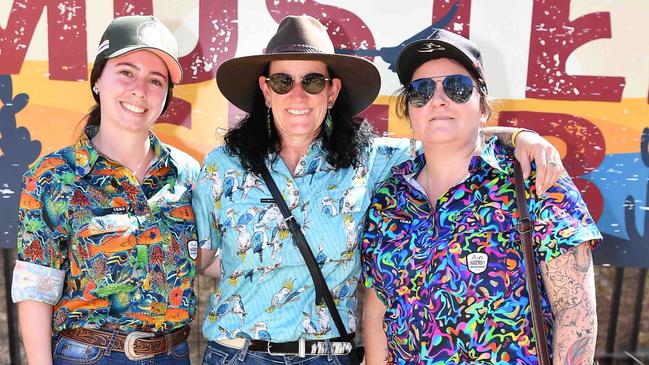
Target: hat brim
pixel 237 78
pixel 173 66
pixel 410 59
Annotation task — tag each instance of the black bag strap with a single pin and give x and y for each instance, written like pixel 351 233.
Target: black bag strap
pixel 525 229
pixel 321 289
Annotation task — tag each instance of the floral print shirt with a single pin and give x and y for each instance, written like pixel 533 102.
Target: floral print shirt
pixel 105 250
pixel 451 272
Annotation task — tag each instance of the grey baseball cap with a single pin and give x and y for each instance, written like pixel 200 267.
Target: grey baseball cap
pixel 140 32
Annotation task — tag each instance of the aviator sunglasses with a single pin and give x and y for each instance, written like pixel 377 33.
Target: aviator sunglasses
pixel 282 83
pixel 458 88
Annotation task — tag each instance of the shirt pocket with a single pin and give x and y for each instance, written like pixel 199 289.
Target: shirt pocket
pixel 179 226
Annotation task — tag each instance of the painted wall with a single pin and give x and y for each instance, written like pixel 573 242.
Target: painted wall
pixel 576 71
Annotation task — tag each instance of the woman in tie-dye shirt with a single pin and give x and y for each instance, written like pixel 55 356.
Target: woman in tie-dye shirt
pixel 441 256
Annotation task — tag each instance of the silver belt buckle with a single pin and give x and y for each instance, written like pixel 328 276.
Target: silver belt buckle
pixel 130 341
pixel 301 349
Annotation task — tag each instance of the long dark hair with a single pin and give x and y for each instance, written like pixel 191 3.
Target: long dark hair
pixel 251 142
pixel 94 115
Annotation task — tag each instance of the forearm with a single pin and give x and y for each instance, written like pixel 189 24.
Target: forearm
pixel 208 264
pixel 374 338
pixel 572 297
pixel 36 329
pixel 504 134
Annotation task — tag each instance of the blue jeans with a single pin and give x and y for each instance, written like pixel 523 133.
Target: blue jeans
pixel 71 352
pixel 217 354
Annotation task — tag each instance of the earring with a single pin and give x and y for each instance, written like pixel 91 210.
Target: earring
pixel 328 124
pixel 268 127
pixel 413 147
pixel 95 89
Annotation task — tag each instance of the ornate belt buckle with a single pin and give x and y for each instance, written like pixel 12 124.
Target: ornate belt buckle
pixel 129 342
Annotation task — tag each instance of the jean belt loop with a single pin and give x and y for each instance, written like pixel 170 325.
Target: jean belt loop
pixel 244 350
pixel 111 343
pixel 330 351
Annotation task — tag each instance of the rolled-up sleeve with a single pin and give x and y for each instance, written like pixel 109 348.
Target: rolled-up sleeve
pixel 36 282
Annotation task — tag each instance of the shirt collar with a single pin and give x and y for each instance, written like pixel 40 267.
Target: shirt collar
pixel 494 155
pixel 86 154
pixel 315 151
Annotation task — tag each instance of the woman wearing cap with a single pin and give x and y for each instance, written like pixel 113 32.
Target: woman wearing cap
pixel 440 250
pixel 107 239
pixel 301 100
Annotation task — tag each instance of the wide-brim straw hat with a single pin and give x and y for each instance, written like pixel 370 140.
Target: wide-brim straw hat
pixel 299 38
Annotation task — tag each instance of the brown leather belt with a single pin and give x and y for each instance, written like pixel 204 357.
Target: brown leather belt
pixel 136 345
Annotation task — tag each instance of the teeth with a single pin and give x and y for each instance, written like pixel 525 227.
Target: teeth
pixel 297 111
pixel 133 108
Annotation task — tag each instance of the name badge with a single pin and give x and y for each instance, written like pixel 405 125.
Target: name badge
pixel 477 262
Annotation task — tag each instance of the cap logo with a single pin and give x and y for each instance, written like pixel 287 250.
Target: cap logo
pixel 102 47
pixel 431 47
pixel 149 33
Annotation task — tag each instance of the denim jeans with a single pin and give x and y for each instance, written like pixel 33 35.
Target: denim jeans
pixel 217 354
pixel 71 352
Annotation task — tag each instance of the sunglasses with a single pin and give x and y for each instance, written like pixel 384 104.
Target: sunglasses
pixel 458 88
pixel 282 83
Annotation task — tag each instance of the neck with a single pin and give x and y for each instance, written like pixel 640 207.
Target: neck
pixel 132 150
pixel 292 151
pixel 443 170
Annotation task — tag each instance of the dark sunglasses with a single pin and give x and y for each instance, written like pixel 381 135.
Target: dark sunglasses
pixel 458 88
pixel 282 83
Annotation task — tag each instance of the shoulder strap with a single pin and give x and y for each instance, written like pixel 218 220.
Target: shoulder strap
pixel 321 288
pixel 525 229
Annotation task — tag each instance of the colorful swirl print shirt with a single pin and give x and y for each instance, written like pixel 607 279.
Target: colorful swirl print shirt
pixel 105 250
pixel 451 275
pixel 266 291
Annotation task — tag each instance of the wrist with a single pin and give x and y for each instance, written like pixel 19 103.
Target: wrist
pixel 519 131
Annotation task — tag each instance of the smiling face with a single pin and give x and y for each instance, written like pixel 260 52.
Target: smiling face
pixel 132 92
pixel 298 115
pixel 441 120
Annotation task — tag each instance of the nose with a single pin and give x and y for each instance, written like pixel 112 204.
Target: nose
pixel 298 89
pixel 139 87
pixel 439 97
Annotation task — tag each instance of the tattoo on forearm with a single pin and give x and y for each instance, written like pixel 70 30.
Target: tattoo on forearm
pixel 569 283
pixel 576 354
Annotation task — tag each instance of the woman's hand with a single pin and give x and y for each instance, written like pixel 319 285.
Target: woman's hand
pixel 532 147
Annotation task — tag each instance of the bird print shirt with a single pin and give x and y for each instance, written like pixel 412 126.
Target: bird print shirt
pixel 266 291
pixel 106 251
pixel 451 272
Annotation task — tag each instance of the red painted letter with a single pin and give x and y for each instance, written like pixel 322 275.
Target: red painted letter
pixel 554 37
pixel 454 17
pixel 585 143
pixel 66 41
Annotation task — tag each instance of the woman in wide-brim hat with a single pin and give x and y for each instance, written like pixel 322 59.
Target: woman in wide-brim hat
pixel 301 99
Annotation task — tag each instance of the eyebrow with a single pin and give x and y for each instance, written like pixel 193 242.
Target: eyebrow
pixel 137 68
